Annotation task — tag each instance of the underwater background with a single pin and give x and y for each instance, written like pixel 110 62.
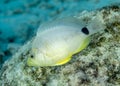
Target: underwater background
pixel 20 19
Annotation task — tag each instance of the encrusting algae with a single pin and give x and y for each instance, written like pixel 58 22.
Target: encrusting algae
pixel 97 65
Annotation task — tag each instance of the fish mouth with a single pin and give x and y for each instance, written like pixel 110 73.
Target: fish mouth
pixel 32 62
pixel 29 62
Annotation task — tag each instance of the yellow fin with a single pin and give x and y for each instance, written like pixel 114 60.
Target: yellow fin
pixel 84 44
pixel 64 61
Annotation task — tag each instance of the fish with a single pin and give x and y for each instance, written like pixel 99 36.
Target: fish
pixel 57 41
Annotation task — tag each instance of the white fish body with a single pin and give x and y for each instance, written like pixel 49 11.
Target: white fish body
pixel 57 41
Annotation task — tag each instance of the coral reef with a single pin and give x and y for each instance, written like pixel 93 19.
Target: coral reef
pixel 97 65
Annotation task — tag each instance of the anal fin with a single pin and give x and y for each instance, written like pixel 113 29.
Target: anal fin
pixel 84 44
pixel 64 61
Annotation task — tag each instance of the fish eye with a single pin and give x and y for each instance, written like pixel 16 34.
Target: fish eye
pixel 85 30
